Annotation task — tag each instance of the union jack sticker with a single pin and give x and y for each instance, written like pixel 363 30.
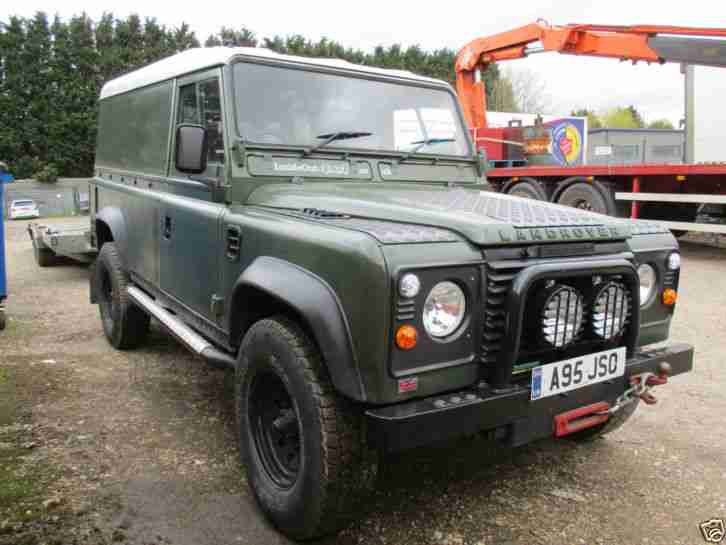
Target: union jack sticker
pixel 407 385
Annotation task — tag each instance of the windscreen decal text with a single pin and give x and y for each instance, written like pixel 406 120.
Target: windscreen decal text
pixel 298 167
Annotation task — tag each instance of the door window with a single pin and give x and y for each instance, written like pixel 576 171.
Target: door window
pixel 200 103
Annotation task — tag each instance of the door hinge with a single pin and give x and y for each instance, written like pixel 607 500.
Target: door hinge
pixel 234 242
pixel 217 305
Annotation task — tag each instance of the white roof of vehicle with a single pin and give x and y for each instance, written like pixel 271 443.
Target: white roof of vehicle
pixel 200 58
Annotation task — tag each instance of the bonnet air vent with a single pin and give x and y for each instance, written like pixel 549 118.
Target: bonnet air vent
pixel 323 214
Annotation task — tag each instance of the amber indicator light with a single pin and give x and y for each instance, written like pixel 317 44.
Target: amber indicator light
pixel 669 297
pixel 406 337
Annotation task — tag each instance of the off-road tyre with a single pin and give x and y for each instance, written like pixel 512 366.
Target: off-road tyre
pixel 586 196
pixel 331 475
pixel 126 326
pixel 527 188
pixel 43 256
pixel 613 423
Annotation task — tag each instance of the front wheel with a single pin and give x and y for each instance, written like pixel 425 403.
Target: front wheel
pixel 300 442
pixel 125 325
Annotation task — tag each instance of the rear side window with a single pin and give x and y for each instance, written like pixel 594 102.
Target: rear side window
pixel 200 104
pixel 133 130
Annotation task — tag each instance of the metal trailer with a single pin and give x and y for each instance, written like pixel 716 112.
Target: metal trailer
pixel 3 274
pixel 68 239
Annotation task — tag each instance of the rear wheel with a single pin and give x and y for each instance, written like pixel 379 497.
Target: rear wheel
pixel 301 443
pixel 528 188
pixel 585 196
pixel 125 325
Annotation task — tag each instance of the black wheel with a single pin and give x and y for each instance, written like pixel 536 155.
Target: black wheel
pixel 301 443
pixel 43 256
pixel 586 196
pixel 3 319
pixel 527 188
pixel 125 325
pixel 613 423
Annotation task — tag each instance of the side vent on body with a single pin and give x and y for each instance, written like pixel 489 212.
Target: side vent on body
pixel 234 242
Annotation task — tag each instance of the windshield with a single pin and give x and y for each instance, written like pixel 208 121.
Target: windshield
pixel 23 203
pixel 277 105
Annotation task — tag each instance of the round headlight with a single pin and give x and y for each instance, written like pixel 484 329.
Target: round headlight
pixel 647 276
pixel 674 261
pixel 610 311
pixel 409 285
pixel 562 316
pixel 444 309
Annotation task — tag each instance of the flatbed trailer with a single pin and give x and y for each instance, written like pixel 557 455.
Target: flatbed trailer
pixel 688 196
pixel 68 238
pixel 674 194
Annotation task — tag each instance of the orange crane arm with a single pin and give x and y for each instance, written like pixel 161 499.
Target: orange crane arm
pixel 632 43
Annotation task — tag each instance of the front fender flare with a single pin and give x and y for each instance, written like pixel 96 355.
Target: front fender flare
pixel 314 301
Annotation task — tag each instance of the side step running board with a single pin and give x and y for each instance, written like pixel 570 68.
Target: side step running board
pixel 186 335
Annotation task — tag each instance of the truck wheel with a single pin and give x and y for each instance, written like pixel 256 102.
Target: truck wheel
pixel 584 196
pixel 301 443
pixel 125 325
pixel 43 256
pixel 528 188
pixel 615 421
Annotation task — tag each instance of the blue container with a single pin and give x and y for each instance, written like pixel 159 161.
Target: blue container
pixel 3 278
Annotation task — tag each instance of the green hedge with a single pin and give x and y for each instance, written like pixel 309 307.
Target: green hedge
pixel 51 73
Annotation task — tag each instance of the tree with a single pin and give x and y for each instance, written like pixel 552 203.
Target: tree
pixel 661 124
pixel 593 121
pixel 639 121
pixel 621 118
pixel 530 91
pixel 230 37
pixel 502 97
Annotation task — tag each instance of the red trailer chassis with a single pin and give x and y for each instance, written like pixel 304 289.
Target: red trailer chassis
pixel 626 188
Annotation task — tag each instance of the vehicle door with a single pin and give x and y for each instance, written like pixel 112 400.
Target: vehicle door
pixel 192 210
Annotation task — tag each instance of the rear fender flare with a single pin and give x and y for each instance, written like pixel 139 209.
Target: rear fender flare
pixel 314 301
pixel 115 221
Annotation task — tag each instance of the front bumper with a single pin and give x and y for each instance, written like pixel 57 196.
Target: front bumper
pixel 511 414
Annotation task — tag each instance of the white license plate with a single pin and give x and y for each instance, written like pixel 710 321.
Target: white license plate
pixel 566 375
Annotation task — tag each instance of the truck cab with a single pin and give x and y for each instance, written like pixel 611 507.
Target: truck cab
pixel 326 230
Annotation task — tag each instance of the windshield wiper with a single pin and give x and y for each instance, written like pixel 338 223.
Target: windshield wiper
pixel 422 143
pixel 332 136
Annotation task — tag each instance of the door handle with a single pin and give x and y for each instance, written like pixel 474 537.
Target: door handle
pixel 167 227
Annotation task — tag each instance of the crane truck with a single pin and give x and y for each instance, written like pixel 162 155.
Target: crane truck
pixel 677 195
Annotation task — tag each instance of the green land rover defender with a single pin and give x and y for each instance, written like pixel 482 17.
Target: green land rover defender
pixel 326 231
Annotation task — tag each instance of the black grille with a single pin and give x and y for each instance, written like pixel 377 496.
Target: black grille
pixel 533 350
pixel 499 277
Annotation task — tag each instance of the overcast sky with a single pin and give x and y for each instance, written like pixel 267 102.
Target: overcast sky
pixel 657 91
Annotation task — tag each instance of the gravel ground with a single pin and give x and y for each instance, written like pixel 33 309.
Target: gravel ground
pixel 143 443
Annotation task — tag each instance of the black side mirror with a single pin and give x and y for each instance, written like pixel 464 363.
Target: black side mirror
pixel 191 148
